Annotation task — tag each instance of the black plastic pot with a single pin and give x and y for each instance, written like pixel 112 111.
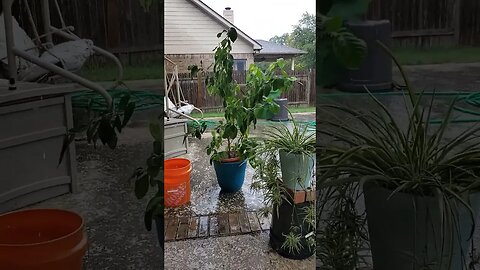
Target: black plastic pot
pixel 282 224
pixel 405 230
pixel 376 70
pixel 159 224
pixel 282 114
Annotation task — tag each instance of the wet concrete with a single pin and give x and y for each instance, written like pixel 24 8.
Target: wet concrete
pixel 242 252
pixel 113 216
pixel 206 196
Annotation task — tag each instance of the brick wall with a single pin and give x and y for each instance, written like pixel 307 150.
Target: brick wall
pixel 184 60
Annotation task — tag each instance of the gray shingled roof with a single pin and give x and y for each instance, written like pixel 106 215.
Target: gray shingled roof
pixel 274 48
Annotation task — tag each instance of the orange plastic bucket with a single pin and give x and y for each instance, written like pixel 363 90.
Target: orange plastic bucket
pixel 177 181
pixel 41 239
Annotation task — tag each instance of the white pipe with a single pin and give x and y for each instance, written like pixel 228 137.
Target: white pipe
pixel 46 22
pixel 66 74
pixel 12 65
pixel 95 48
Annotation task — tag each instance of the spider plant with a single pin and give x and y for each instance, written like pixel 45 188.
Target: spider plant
pixel 419 160
pixel 292 224
pixel 341 230
pixel 298 140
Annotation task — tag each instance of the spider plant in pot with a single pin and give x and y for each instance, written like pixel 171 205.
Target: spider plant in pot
pixel 231 145
pixel 296 148
pixel 292 232
pixel 420 184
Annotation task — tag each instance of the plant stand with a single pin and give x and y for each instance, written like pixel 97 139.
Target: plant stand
pixel 292 214
pixel 34 120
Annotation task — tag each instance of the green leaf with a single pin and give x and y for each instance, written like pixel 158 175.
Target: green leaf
pixel 232 34
pixel 128 113
pixel 193 70
pixel 155 205
pixel 67 140
pixel 349 50
pixel 92 129
pixel 333 24
pixel 112 143
pixel 153 171
pixel 141 186
pixel 158 147
pixel 118 123
pixel 122 105
pixel 156 131
pixel 230 132
pixel 105 131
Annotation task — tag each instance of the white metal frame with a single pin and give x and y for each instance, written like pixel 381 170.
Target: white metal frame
pixel 65 32
pixel 177 95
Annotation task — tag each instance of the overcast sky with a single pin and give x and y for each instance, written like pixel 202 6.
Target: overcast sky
pixel 263 19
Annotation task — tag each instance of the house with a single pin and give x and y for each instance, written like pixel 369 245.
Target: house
pixel 271 51
pixel 191 29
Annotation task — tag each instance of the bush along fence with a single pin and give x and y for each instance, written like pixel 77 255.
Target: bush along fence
pixel 301 94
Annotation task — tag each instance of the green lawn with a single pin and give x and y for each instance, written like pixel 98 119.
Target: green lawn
pixel 407 56
pixel 410 56
pixel 220 114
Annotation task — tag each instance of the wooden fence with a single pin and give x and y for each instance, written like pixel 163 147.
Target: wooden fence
pixel 301 94
pixel 121 26
pixel 429 23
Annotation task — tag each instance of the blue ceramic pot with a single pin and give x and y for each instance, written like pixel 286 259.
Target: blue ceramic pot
pixel 230 175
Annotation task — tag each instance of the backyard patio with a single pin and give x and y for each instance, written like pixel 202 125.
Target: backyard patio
pixel 223 230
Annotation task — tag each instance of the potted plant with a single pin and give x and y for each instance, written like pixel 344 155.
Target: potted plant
pixel 231 145
pixel 339 49
pixel 421 188
pixel 284 165
pixel 276 78
pixel 152 177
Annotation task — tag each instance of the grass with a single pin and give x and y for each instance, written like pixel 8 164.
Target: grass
pixel 412 56
pixel 220 114
pixel 406 56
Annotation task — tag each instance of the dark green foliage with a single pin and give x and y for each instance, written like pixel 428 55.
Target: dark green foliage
pixel 152 176
pixel 104 126
pixel 338 49
pixel 241 106
pixel 416 160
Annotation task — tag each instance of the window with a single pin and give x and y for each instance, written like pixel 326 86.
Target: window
pixel 240 64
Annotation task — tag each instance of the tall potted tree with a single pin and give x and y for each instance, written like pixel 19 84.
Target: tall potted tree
pixel 421 188
pixel 231 145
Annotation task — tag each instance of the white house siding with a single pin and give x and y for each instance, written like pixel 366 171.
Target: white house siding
pixel 191 32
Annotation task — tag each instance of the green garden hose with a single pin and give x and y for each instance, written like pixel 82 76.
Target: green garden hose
pixel 469 98
pixel 144 100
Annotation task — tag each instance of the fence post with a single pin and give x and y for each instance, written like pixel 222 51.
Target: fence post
pixel 456 20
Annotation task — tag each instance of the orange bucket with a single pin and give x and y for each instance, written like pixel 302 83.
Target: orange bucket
pixel 41 239
pixel 177 181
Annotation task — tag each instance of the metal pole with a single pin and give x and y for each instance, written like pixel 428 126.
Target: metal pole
pixel 95 48
pixel 12 66
pixel 46 22
pixel 66 74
